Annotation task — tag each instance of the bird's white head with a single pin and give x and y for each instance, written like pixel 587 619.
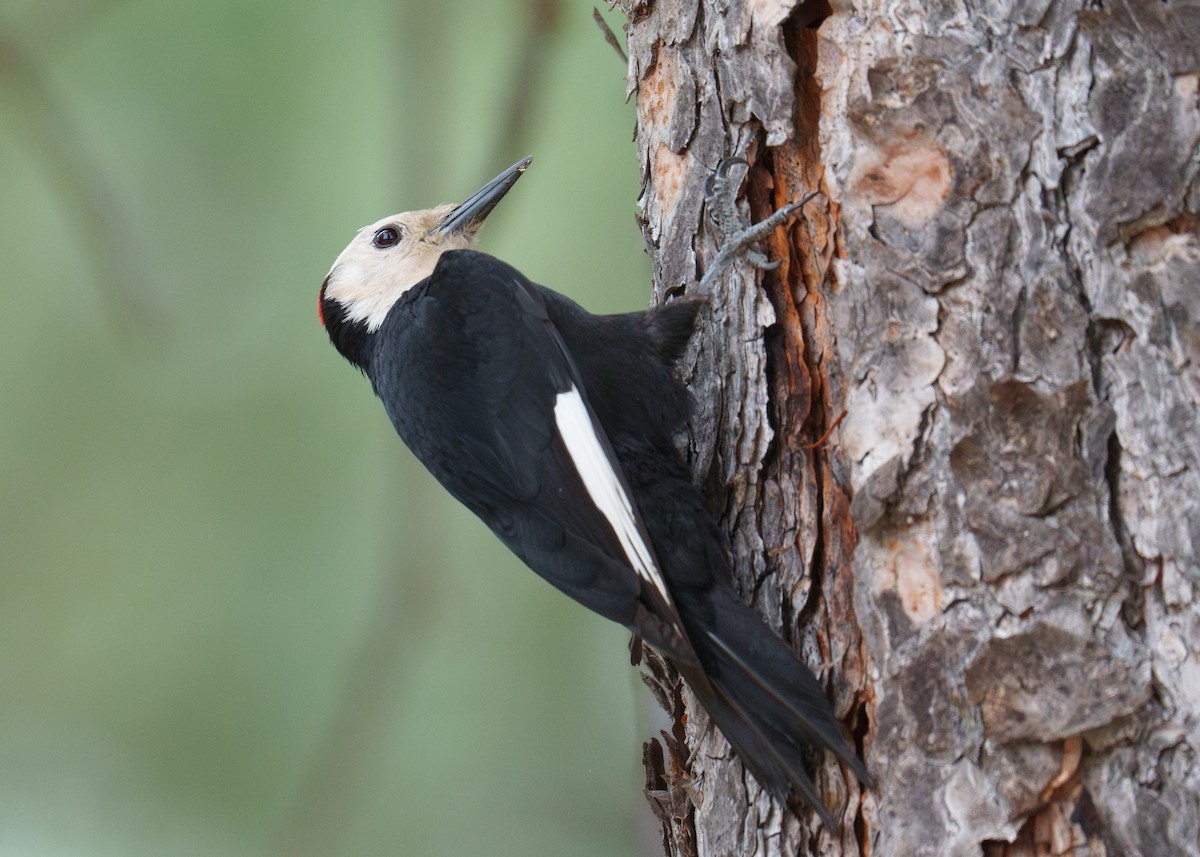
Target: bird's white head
pixel 389 257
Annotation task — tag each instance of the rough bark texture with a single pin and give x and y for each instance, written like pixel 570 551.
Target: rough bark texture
pixel 992 562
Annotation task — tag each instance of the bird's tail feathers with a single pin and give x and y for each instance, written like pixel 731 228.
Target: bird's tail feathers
pixel 766 702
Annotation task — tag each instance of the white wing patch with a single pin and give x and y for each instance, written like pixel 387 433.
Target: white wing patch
pixel 603 485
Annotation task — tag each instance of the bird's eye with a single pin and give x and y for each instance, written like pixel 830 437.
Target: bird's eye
pixel 386 237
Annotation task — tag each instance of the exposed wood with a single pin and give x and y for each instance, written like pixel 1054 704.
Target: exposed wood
pixel 992 561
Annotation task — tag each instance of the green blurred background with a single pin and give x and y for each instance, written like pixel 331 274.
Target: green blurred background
pixel 236 618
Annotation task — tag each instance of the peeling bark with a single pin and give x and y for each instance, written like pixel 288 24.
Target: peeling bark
pixel 992 562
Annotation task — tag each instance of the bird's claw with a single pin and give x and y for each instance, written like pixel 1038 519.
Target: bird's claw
pixel 760 261
pixel 738 235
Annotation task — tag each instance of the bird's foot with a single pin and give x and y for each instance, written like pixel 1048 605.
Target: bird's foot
pixel 738 235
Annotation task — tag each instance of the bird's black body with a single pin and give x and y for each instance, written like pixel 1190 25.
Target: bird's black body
pixel 469 365
pixel 476 367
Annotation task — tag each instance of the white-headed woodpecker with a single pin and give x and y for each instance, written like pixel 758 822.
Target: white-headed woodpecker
pixel 555 427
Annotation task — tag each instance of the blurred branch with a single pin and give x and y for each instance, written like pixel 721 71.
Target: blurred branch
pixel 609 35
pixel 542 19
pixel 89 200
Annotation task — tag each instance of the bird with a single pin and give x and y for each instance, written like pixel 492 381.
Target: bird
pixel 557 428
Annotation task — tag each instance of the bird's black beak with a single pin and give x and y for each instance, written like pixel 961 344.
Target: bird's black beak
pixel 470 214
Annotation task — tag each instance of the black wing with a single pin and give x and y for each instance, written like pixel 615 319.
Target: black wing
pixel 479 383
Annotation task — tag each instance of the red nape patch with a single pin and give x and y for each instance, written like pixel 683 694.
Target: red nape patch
pixel 321 301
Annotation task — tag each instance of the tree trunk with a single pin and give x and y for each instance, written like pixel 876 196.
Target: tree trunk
pixel 991 562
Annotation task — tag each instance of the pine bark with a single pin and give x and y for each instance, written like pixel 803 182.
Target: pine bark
pixel 992 560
